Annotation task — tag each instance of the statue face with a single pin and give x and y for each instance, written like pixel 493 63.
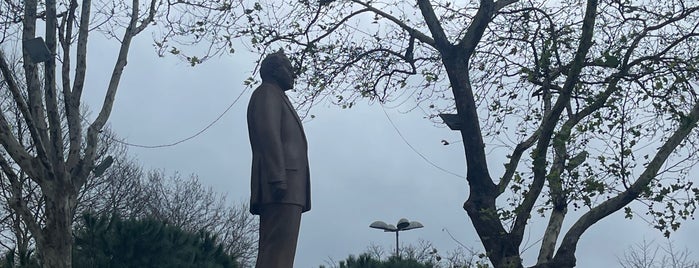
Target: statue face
pixel 277 68
pixel 285 75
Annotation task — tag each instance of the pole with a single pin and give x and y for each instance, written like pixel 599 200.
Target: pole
pixel 397 252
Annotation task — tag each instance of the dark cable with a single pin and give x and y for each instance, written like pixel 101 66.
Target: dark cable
pixel 415 150
pixel 182 140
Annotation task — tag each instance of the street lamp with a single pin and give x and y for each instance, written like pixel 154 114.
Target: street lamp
pixel 402 225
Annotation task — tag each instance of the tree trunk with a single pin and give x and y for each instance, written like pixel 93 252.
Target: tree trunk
pixel 58 239
pixel 502 248
pixel 23 254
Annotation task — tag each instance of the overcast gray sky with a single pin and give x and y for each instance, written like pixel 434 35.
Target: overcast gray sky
pixel 361 169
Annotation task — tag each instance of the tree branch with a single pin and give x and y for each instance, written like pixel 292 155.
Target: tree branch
pixel 9 142
pixel 500 4
pixel 72 106
pixel 480 21
pixel 511 167
pixel 656 27
pixel 101 120
pixel 366 54
pixel 412 31
pixel 16 203
pixel 440 38
pixel 50 94
pixel 339 23
pixel 548 244
pixel 81 53
pixel 34 114
pixel 602 98
pixel 568 246
pixel 558 197
pixel 36 108
pixel 147 20
pixel 551 120
pixel 477 27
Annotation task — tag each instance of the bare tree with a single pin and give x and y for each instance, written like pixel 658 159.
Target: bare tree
pixel 238 233
pixel 59 175
pixel 423 253
pixel 647 254
pixel 189 205
pixel 593 103
pixel 119 189
pixel 125 190
pixel 103 193
pixel 41 91
pixel 17 238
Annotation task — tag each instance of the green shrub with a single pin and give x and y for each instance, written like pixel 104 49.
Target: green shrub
pixel 110 241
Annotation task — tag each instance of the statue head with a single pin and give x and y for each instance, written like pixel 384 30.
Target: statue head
pixel 276 68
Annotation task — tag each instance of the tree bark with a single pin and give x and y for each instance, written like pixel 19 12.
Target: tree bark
pixel 57 247
pixel 59 176
pixel 501 248
pixel 480 205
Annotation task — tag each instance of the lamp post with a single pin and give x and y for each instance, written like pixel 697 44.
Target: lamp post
pixel 402 225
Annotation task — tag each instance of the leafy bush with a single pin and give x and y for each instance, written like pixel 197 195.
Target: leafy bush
pixel 367 261
pixel 110 241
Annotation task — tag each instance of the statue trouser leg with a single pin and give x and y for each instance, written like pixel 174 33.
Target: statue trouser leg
pixel 279 230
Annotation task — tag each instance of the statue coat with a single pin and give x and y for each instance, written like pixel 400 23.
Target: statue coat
pixel 279 149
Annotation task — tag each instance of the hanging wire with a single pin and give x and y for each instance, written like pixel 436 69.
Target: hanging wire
pixel 182 140
pixel 414 149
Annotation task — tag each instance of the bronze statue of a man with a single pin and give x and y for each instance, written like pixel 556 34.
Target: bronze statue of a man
pixel 280 185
